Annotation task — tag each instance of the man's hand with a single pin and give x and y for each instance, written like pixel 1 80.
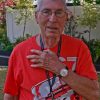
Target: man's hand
pixel 47 60
pixel 87 88
pixel 10 97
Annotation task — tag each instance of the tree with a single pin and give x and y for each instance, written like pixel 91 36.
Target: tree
pixel 3 4
pixel 90 16
pixel 26 9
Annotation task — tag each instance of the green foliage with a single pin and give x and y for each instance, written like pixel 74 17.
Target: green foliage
pixel 20 39
pixel 89 18
pixel 21 4
pixel 94 46
pixel 25 8
pixel 2 31
pixel 5 44
pixel 89 1
pixel 97 1
pixel 2 80
pixel 90 15
pixel 76 2
pixel 97 48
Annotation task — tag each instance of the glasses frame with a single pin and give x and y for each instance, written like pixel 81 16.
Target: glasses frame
pixel 58 13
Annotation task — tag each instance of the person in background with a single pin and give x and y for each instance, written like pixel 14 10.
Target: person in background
pixel 51 65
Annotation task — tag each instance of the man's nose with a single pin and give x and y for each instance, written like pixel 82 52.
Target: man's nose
pixel 52 17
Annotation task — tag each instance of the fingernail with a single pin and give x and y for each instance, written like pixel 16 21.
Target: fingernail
pixel 27 56
pixel 32 50
pixel 33 66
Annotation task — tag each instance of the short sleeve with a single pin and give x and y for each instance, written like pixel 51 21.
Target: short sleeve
pixel 85 66
pixel 14 75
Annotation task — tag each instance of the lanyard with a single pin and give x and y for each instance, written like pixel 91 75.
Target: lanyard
pixel 47 72
pixel 54 75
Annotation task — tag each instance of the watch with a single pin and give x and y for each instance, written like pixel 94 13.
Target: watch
pixel 63 72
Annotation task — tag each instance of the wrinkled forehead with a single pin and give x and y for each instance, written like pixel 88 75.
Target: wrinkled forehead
pixel 52 4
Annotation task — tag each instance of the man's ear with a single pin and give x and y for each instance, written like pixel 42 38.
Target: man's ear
pixel 36 18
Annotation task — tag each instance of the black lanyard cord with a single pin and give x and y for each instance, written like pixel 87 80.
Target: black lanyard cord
pixel 54 75
pixel 51 83
pixel 41 43
pixel 59 46
pixel 47 72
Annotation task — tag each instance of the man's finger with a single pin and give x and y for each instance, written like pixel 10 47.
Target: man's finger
pixel 37 60
pixel 49 51
pixel 33 56
pixel 37 65
pixel 38 52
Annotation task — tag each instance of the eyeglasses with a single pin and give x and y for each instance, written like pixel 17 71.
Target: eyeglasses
pixel 48 12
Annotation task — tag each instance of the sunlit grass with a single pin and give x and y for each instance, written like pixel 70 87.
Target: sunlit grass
pixel 2 79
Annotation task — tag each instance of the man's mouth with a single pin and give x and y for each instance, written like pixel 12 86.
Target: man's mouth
pixel 52 28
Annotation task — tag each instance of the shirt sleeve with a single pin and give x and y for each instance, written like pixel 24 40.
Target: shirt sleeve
pixel 85 64
pixel 14 75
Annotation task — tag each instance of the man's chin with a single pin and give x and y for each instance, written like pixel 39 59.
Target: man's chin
pixel 52 34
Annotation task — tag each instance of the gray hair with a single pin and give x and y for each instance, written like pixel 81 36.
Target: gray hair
pixel 39 3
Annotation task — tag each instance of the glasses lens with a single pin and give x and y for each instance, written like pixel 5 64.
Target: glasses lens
pixel 48 12
pixel 60 13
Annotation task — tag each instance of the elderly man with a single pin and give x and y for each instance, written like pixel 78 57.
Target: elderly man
pixel 51 65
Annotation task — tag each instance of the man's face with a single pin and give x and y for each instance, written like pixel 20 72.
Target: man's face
pixel 51 18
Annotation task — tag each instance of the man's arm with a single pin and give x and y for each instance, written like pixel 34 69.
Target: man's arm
pixel 85 87
pixel 10 97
